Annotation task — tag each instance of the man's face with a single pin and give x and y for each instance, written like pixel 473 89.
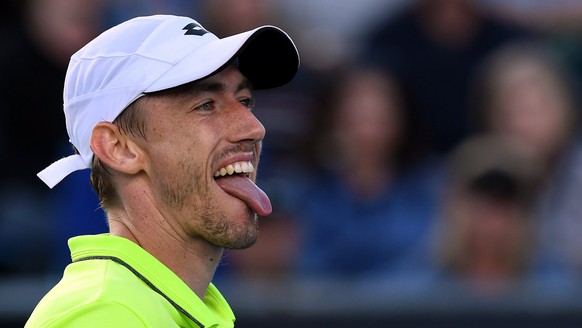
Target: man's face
pixel 190 138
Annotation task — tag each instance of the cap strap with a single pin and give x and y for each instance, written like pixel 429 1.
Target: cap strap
pixel 58 170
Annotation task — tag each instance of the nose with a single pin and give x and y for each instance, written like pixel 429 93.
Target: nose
pixel 245 125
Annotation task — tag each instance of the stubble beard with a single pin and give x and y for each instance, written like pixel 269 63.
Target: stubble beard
pixel 222 232
pixel 208 221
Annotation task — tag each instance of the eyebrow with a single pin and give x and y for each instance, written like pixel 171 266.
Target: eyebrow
pixel 209 86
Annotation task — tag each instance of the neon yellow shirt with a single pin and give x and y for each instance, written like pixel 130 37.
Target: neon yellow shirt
pixel 113 282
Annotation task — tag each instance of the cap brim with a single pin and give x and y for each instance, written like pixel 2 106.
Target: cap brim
pixel 266 56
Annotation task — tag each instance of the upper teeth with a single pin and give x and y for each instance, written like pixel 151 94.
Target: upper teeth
pixel 237 167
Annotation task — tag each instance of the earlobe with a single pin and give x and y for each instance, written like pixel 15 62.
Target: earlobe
pixel 115 149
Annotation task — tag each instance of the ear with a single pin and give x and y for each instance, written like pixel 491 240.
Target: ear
pixel 115 149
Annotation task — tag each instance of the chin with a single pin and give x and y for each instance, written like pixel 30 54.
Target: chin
pixel 244 233
pixel 232 231
pixel 240 240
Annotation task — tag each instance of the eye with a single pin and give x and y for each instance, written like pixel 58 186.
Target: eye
pixel 207 106
pixel 248 103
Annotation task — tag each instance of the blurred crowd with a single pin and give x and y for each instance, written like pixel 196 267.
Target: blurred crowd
pixel 432 141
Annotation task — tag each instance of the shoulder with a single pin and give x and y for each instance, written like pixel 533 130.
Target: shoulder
pixel 100 292
pixel 90 314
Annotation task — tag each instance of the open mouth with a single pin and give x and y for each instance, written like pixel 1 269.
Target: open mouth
pixel 235 179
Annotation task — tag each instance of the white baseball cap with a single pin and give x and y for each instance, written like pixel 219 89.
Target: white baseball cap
pixel 153 53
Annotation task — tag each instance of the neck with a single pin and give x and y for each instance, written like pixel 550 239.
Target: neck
pixel 193 260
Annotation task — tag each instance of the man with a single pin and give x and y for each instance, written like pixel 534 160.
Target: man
pixel 160 110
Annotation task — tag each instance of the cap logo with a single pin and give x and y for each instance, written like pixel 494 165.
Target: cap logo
pixel 194 29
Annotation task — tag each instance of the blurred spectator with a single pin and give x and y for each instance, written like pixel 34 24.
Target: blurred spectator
pixel 33 61
pixel 485 240
pixel 366 209
pixel 434 46
pixel 553 16
pixel 559 21
pixel 524 92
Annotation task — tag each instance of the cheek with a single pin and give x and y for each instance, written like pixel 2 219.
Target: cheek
pixel 181 181
pixel 179 154
pixel 181 139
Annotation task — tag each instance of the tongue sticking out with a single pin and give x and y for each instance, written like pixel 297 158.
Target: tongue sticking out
pixel 244 189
